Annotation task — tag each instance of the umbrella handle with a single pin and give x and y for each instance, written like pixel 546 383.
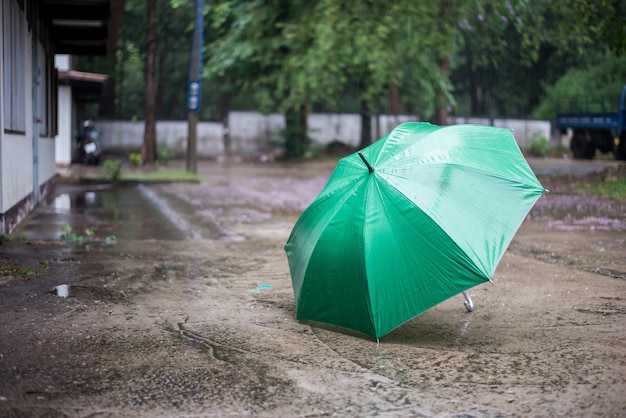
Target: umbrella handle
pixel 469 305
pixel 369 167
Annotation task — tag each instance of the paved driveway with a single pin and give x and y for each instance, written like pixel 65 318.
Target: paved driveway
pixel 191 313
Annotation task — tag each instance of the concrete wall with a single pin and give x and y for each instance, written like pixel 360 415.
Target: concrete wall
pixel 253 132
pixel 128 136
pixel 523 130
pixel 346 127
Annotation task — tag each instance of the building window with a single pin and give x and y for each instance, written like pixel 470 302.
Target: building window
pixel 54 100
pixel 14 53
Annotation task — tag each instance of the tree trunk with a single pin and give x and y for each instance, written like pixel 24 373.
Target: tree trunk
pixel 148 151
pixel 296 141
pixel 441 111
pixel 224 110
pixel 303 122
pixel 395 107
pixel 163 49
pixel 160 87
pixel 475 94
pixel 119 76
pixel 366 124
pixel 107 101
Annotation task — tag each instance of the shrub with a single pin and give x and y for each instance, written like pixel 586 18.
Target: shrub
pixel 538 146
pixel 135 158
pixel 112 169
pixel 164 155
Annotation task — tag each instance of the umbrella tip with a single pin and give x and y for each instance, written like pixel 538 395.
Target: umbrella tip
pixel 369 167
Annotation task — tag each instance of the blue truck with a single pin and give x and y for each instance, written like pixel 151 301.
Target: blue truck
pixel 595 126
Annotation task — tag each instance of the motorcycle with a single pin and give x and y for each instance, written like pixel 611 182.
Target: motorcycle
pixel 87 145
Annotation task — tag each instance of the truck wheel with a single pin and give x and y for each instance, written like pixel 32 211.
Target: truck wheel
pixel 581 148
pixel 603 141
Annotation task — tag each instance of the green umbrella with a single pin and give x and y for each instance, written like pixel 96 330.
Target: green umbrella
pixel 417 217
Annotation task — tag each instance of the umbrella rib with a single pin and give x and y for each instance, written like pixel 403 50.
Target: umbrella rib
pixel 514 182
pixel 386 206
pixel 478 170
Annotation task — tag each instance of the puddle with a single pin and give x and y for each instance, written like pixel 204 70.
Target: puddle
pixel 126 212
pixel 462 331
pixel 588 223
pixel 233 238
pixel 576 213
pixel 161 205
pixel 62 202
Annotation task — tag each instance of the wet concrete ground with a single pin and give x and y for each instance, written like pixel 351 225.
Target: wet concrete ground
pixel 190 311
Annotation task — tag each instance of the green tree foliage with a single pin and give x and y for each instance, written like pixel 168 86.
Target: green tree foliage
pixel 488 57
pixel 148 150
pixel 291 54
pixel 126 70
pixel 359 45
pixel 599 33
pixel 254 49
pixel 591 22
pixel 512 51
pixel 595 88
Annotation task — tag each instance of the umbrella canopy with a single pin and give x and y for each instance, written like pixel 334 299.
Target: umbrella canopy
pixel 417 217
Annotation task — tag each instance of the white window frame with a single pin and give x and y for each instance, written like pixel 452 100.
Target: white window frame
pixel 14 54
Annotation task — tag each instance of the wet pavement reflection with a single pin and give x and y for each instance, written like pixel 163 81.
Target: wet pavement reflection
pixel 126 212
pixel 569 213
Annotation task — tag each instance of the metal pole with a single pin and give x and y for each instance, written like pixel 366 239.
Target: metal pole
pixel 192 141
pixel 193 99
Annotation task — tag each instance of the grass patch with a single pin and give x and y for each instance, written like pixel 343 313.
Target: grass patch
pixel 609 187
pixel 161 175
pixel 112 171
pixel 24 273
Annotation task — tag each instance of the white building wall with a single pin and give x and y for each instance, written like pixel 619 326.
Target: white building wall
pixel 47 165
pixel 62 62
pixel 64 145
pixel 16 150
pixel 17 168
pixel 63 142
pixel 2 206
